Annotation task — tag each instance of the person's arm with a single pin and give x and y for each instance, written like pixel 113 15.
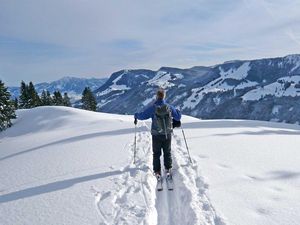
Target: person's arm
pixel 176 114
pixel 146 114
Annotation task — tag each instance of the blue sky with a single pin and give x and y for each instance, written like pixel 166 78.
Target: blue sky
pixel 45 40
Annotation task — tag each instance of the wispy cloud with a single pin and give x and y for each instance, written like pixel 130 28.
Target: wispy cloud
pixel 48 39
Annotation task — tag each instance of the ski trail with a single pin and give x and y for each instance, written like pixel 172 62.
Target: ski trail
pixel 135 200
pixel 191 189
pixel 132 199
pixel 173 206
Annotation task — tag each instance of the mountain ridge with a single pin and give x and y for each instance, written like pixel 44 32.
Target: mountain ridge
pixel 218 92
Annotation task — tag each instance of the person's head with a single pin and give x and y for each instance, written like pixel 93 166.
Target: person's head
pixel 160 94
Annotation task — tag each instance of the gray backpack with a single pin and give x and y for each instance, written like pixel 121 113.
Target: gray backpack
pixel 163 116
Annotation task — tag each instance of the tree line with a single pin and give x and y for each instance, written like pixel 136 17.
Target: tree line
pixel 29 98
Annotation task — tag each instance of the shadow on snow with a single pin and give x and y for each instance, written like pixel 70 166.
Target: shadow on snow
pixel 59 185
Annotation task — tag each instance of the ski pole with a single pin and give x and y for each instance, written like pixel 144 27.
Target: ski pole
pixel 134 152
pixel 187 148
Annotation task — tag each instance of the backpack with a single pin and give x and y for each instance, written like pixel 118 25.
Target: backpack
pixel 163 118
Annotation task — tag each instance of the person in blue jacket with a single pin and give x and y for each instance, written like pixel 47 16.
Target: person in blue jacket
pixel 161 140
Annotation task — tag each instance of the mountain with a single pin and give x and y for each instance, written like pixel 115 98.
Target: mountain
pixel 262 89
pixel 61 165
pixel 72 85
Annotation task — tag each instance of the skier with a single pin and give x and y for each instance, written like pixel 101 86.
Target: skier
pixel 162 115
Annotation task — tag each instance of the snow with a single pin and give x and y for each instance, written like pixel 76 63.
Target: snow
pixel 276 89
pixel 63 165
pixel 246 84
pixel 294 60
pixel 238 74
pixel 276 109
pixel 115 86
pixel 162 79
pixel 218 85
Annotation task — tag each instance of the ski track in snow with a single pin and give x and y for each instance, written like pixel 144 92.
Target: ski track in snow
pixel 132 202
pixel 193 204
pixel 136 200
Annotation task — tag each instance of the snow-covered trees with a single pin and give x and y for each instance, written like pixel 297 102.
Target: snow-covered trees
pixel 88 100
pixel 7 109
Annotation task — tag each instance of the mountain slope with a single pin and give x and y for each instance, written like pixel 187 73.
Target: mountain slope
pixel 67 166
pixel 264 89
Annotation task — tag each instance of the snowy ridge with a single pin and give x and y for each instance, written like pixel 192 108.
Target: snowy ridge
pixel 215 92
pixel 163 79
pixel 114 86
pixel 220 85
pixel 293 60
pixel 285 86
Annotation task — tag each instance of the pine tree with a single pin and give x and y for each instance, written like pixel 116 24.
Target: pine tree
pixel 49 98
pixel 66 100
pixel 57 98
pixel 7 111
pixel 44 98
pixel 24 96
pixel 34 99
pixel 16 103
pixel 88 100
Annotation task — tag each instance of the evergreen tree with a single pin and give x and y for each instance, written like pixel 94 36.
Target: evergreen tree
pixel 16 103
pixel 49 98
pixel 44 98
pixel 66 100
pixel 88 100
pixel 24 96
pixel 34 99
pixel 57 98
pixel 7 111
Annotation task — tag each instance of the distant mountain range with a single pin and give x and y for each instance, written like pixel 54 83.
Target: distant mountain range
pixel 72 85
pixel 262 89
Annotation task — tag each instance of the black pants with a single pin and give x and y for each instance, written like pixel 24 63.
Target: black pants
pixel 160 142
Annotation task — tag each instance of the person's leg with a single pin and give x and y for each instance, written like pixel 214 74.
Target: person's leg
pixel 167 152
pixel 156 147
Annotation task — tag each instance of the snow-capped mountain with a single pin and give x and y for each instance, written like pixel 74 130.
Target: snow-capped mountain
pixel 72 85
pixel 263 89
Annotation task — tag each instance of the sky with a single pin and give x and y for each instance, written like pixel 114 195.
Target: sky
pixel 45 40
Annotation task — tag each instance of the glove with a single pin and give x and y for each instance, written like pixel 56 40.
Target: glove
pixel 135 121
pixel 176 123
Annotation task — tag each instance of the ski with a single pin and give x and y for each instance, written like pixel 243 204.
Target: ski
pixel 159 186
pixel 169 182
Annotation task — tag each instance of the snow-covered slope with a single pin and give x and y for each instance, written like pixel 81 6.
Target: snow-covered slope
pixel 68 166
pixel 238 89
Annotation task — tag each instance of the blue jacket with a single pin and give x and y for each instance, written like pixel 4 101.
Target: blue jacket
pixel 150 111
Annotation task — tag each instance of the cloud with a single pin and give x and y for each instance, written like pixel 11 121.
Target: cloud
pixel 44 40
